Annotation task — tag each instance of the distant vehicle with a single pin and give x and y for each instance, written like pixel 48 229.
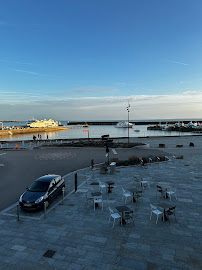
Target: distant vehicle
pixel 44 189
pixel 124 124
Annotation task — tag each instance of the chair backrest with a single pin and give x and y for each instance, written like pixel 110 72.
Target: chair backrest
pixel 159 188
pixel 97 197
pixel 153 207
pixel 123 190
pixel 110 210
pixel 172 208
pixel 100 183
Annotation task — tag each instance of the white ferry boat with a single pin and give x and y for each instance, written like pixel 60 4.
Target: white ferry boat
pixel 124 124
pixel 43 123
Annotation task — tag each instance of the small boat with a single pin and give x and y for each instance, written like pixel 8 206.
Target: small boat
pixel 124 124
pixel 136 130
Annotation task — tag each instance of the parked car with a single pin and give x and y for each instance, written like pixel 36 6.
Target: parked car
pixel 44 189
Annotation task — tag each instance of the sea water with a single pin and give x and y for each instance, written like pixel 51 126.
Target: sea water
pixel 93 131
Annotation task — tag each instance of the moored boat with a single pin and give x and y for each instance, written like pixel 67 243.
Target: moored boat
pixel 124 124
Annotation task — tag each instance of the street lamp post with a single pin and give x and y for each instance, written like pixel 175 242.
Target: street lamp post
pixel 128 109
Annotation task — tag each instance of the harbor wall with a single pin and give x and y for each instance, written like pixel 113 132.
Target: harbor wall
pixel 29 130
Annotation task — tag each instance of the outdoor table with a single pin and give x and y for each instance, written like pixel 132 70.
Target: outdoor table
pixel 133 191
pixel 122 209
pixel 96 194
pixel 165 206
pixel 94 183
pixel 110 185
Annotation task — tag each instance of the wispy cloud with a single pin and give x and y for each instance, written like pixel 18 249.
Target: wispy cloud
pixel 48 76
pixel 176 62
pixel 14 62
pixel 185 82
pixel 27 71
pixel 94 89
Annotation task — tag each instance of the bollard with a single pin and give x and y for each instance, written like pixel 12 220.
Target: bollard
pixel 92 164
pixel 18 214
pixel 75 182
pixel 45 210
pixel 63 192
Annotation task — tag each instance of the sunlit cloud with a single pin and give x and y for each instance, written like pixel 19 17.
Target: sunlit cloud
pixel 26 105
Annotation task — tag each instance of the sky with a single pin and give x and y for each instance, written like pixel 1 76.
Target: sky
pixel 81 60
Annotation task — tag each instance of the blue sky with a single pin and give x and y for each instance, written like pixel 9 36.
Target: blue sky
pixel 86 59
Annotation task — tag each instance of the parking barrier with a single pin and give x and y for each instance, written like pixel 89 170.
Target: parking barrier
pixel 63 193
pixel 18 214
pixel 45 210
pixel 75 182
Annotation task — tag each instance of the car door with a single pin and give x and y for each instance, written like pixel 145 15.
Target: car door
pixel 52 190
pixel 58 185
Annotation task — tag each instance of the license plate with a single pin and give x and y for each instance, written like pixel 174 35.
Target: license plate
pixel 27 205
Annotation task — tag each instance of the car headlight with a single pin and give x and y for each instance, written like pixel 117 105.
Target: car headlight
pixel 39 199
pixel 20 199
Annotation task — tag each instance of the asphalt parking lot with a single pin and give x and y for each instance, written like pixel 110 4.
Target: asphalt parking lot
pixel 20 168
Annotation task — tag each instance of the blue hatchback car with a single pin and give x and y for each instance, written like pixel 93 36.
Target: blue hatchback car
pixel 44 189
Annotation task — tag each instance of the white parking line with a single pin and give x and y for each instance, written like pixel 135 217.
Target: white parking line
pixel 114 151
pixel 1 165
pixel 2 154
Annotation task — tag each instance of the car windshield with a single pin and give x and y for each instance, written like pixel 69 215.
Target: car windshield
pixel 39 186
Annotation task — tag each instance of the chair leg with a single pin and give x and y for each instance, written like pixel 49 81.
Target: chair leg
pixel 157 217
pixel 150 215
pixel 113 223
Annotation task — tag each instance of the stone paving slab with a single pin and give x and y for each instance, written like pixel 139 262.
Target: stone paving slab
pixel 84 239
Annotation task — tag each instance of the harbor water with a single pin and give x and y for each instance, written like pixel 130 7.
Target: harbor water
pixel 94 131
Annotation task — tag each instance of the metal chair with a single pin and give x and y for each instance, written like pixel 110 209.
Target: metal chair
pixel 128 216
pixel 139 195
pixel 159 190
pixel 97 199
pixel 170 192
pixel 102 186
pixel 170 212
pixel 114 216
pixel 145 182
pixel 156 211
pixel 126 195
pixel 88 199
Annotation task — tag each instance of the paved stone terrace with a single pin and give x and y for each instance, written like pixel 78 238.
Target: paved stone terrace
pixel 83 239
